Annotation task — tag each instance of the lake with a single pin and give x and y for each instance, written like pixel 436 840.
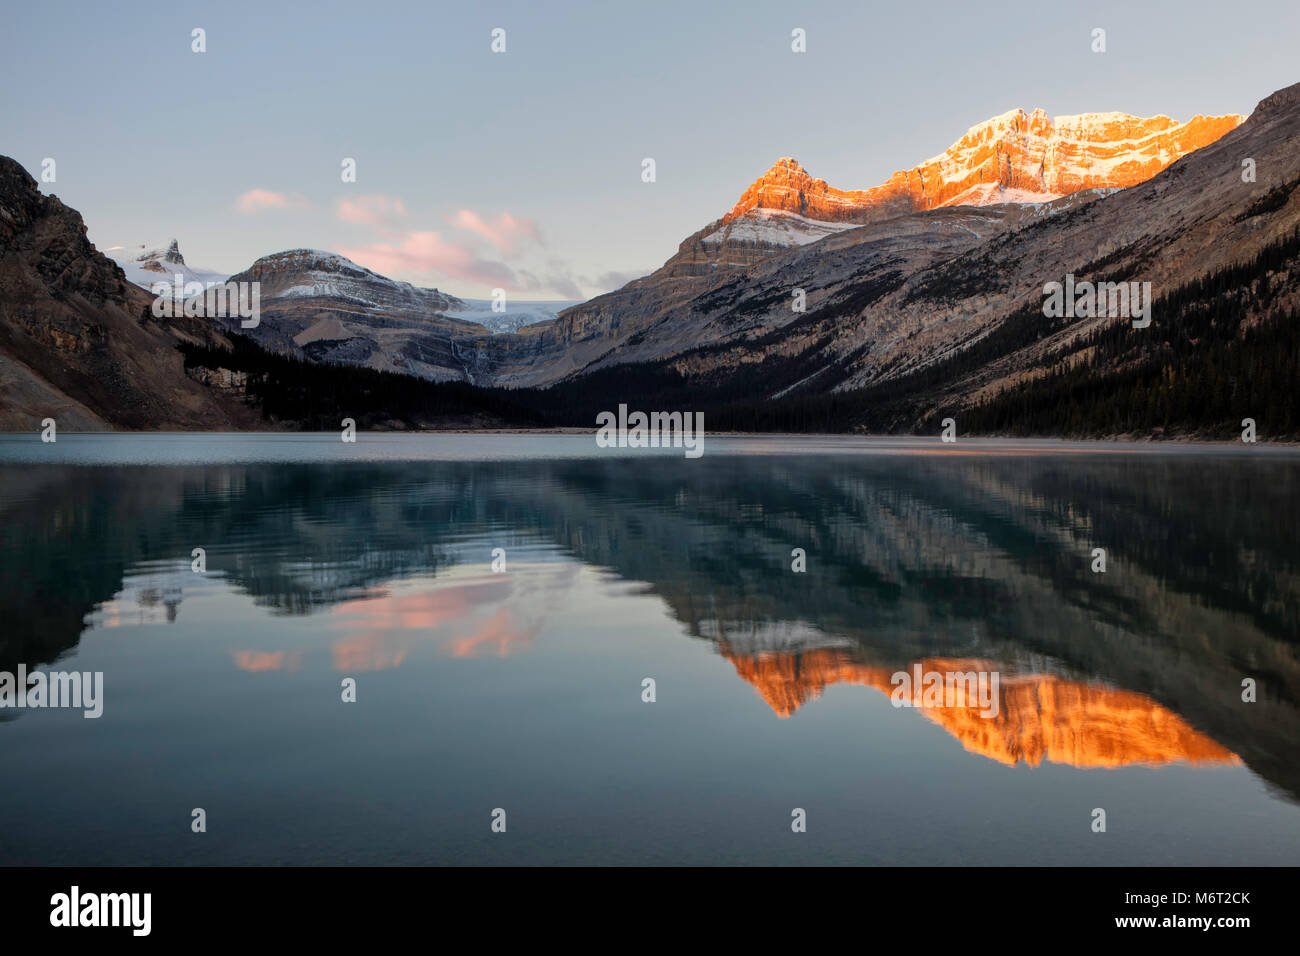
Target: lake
pixel 498 604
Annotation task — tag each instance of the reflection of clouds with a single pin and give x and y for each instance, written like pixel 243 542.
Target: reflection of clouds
pixel 256 661
pixel 499 634
pixel 367 652
pixel 385 628
pixel 487 615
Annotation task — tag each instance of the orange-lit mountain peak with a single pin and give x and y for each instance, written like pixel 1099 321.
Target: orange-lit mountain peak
pixel 788 187
pixel 1017 156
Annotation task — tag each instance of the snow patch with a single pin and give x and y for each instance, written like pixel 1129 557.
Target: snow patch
pixel 776 228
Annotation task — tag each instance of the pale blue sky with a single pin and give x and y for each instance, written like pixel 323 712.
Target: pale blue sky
pixel 154 141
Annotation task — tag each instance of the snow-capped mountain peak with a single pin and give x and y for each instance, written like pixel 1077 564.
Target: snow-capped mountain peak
pixel 148 263
pixel 1015 157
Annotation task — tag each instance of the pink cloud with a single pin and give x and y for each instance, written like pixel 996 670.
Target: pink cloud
pixel 505 232
pixel 373 210
pixel 456 256
pixel 258 200
pixel 429 252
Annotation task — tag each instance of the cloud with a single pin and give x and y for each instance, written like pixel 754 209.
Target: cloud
pixel 608 281
pixel 376 210
pixel 505 232
pixel 565 286
pixel 429 252
pixel 259 200
pixel 558 281
pixel 462 255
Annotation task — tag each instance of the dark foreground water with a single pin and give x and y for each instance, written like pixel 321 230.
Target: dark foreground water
pixel 522 689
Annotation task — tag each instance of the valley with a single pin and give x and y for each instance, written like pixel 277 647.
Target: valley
pixel 804 307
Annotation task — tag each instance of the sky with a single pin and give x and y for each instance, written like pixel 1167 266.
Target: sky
pixel 522 170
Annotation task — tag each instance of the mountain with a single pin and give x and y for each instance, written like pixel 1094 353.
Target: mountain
pixel 809 307
pixel 332 277
pixel 965 331
pixel 1014 169
pixel 1003 174
pixel 77 341
pixel 906 322
pixel 324 307
pixel 149 263
pixel 1017 157
pixel 672 310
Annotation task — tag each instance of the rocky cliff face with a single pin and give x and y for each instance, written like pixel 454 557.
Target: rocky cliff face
pixel 50 239
pixel 77 341
pixel 788 187
pixel 1015 157
pixel 710 294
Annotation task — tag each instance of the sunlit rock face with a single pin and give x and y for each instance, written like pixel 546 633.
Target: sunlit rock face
pixel 1015 157
pixel 1036 154
pixel 1038 717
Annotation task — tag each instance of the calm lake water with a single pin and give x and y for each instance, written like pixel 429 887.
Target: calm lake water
pixel 522 688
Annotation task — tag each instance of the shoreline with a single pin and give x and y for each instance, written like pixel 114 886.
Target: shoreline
pixel 801 436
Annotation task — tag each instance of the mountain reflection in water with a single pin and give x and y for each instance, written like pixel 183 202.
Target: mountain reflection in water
pixel 951 562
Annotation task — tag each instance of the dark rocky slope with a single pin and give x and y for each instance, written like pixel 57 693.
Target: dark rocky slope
pixel 78 343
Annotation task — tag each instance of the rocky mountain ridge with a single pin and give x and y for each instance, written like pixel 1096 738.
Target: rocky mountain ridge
pixel 1031 156
pixel 77 341
pixel 325 307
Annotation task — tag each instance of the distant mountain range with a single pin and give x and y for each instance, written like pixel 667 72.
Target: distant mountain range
pixel 327 308
pixel 803 307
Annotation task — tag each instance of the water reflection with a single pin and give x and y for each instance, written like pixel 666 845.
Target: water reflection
pixel 1039 716
pixel 942 560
